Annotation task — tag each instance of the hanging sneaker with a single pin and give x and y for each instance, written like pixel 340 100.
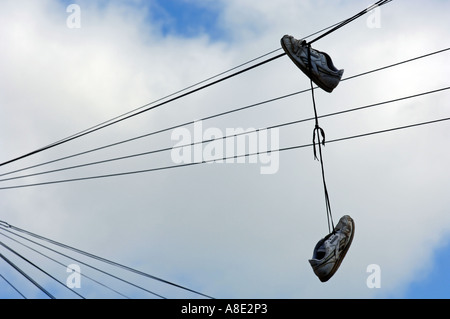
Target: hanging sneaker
pixel 322 71
pixel 330 251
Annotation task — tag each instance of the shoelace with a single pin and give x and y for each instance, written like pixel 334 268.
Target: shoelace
pixel 319 133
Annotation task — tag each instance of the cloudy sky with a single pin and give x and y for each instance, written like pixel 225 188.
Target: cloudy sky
pixel 226 229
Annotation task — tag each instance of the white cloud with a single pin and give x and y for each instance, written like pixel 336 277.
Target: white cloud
pixel 226 229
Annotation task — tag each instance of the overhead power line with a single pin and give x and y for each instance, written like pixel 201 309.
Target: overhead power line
pixel 12 286
pixel 56 261
pixel 4 225
pixel 218 159
pixel 40 269
pixel 140 112
pixel 173 98
pixel 224 137
pixel 23 273
pixel 218 115
pixel 356 16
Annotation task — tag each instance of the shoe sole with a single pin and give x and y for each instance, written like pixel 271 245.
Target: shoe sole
pixel 305 69
pixel 344 252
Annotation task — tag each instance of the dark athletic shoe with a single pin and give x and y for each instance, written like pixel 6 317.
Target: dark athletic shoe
pixel 330 251
pixel 321 71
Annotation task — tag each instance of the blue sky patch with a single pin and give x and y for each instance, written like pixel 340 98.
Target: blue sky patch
pixel 436 284
pixel 187 18
pixel 184 18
